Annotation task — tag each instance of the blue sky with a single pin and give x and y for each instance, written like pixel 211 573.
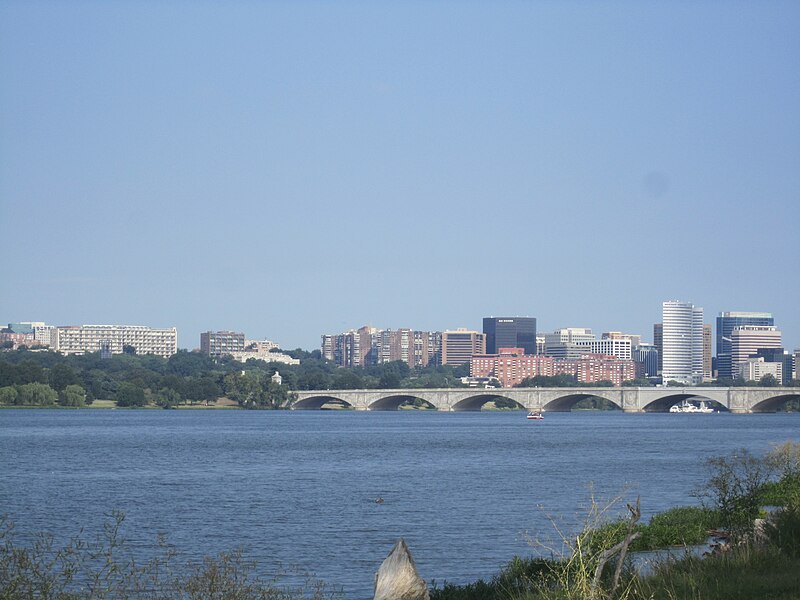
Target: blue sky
pixel 290 169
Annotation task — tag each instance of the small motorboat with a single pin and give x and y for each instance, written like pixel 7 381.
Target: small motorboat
pixel 535 415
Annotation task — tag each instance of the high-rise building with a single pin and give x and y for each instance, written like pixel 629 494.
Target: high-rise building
pixel 370 346
pixel 797 363
pixel 458 346
pixel 220 343
pixel 541 345
pixel 708 373
pixel 682 324
pixel 510 332
pixel 80 339
pixel 747 340
pixel 645 357
pixel 726 321
pixel 658 342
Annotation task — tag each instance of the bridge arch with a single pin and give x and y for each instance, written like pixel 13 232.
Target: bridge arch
pixel 476 401
pixel 566 402
pixel 394 402
pixel 774 403
pixel 317 402
pixel 664 403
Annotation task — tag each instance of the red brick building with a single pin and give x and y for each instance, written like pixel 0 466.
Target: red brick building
pixel 512 366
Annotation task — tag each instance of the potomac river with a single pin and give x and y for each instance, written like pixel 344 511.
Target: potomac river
pixel 297 488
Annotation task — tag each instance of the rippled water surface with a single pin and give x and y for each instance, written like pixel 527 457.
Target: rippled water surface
pixel 298 487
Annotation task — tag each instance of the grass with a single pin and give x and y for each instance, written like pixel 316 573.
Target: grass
pixel 745 574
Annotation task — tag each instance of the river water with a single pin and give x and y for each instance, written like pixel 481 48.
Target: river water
pixel 466 490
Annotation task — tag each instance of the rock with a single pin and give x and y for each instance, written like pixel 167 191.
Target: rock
pixel 397 577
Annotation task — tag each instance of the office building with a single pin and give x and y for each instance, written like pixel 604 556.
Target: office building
pixel 618 347
pixel 747 340
pixel 658 342
pixel 459 345
pixel 753 369
pixel 682 328
pixel 80 339
pixel 777 355
pixel 708 372
pixel 568 342
pixel 220 343
pixel 726 322
pixel 510 332
pixel 540 343
pixel 634 338
pixel 797 364
pixel 645 358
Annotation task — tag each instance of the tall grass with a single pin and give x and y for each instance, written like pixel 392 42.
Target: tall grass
pixel 105 569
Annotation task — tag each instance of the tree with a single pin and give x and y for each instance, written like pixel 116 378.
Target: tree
pixel 243 388
pixel 36 394
pixel 768 380
pixel 30 372
pixel 734 487
pixel 168 398
pixel 60 376
pixel 129 395
pixel 8 395
pixel 72 395
pixel 188 364
pixel 202 389
pixel 389 381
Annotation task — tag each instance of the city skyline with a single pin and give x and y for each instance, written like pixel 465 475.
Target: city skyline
pixel 293 169
pixel 646 335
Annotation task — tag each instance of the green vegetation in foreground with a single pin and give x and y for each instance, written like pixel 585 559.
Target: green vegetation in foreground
pixel 106 569
pixel 753 568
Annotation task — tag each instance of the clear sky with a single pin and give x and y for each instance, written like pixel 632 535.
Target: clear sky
pixel 289 169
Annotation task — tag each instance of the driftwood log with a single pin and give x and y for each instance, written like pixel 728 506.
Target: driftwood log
pixel 397 577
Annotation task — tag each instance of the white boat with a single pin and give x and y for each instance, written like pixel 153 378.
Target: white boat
pixel 689 407
pixel 535 415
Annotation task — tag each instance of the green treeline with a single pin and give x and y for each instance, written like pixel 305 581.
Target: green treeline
pixel 50 379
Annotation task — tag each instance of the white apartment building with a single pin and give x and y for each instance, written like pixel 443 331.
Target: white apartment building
pixel 44 334
pixel 682 325
pixel 753 369
pixel 267 356
pixel 80 339
pixel 747 339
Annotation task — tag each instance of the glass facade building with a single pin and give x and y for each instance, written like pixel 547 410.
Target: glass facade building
pixel 726 322
pixel 510 332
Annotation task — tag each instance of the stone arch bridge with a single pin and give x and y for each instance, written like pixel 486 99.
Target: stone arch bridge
pixel 629 399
